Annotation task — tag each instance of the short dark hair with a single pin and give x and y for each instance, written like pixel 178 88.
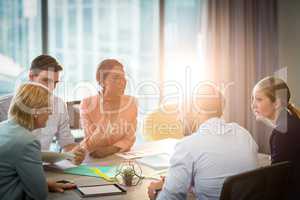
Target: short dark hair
pixel 45 62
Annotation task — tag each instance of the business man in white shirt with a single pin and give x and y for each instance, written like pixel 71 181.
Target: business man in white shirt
pixel 202 161
pixel 45 70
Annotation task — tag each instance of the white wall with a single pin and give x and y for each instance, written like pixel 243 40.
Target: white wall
pixel 289 43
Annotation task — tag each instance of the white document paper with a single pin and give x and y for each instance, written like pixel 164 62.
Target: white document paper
pixel 158 162
pixel 53 157
pixel 64 164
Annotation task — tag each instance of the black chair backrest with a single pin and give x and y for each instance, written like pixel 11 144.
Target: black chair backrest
pixel 266 183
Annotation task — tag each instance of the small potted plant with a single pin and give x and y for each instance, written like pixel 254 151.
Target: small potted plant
pixel 127 175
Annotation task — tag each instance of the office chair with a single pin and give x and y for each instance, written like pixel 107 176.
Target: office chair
pixel 266 183
pixel 4 106
pixel 73 111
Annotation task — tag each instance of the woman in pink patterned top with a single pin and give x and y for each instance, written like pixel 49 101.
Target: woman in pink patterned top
pixel 109 118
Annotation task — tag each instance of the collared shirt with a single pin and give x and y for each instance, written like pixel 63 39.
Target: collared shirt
pixel 203 160
pixel 57 124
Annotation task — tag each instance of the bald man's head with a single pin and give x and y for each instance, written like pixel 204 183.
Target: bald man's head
pixel 208 100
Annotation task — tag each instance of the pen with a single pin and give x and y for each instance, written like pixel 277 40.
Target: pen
pixel 65 181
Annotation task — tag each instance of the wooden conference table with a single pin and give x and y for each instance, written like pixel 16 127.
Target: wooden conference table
pixel 138 192
pixel 135 192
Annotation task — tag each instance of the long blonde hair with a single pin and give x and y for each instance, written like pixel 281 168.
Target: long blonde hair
pixel 29 99
pixel 275 88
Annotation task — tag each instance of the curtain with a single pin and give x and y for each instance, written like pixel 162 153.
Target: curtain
pixel 242 48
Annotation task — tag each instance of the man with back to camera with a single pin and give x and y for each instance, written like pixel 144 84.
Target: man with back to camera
pixel 203 160
pixel 46 70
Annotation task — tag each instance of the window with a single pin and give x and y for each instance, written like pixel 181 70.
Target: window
pixel 20 39
pixel 83 33
pixel 184 44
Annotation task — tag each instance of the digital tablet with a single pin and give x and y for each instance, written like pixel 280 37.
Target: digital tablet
pixel 100 190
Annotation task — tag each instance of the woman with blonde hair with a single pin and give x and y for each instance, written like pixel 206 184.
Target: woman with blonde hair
pixel 271 104
pixel 109 118
pixel 21 170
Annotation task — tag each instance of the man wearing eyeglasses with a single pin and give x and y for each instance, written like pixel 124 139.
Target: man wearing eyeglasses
pixel 46 70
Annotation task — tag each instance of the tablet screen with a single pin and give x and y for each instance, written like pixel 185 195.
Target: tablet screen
pixel 99 190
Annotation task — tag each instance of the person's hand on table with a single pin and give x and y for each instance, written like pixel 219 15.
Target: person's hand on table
pixel 79 155
pixel 54 186
pixel 98 154
pixel 104 151
pixel 154 187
